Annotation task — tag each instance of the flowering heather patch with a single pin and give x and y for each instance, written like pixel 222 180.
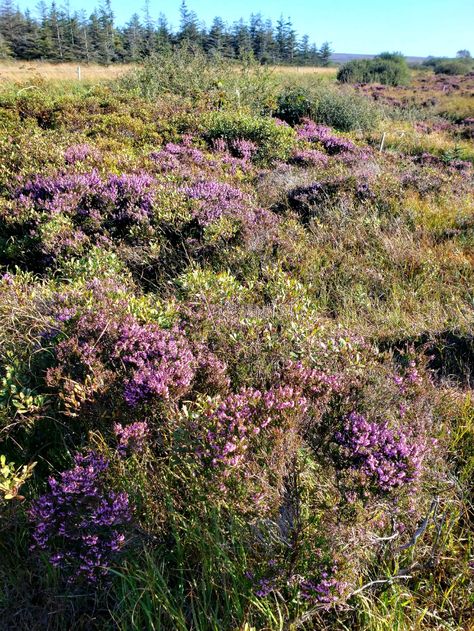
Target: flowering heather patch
pixel 240 418
pixel 236 155
pixel 80 522
pixel 173 156
pixel 80 152
pixel 324 591
pixel 302 198
pixel 410 377
pixel 244 149
pixel 89 200
pixel 131 438
pixel 310 157
pixel 218 199
pixel 161 362
pixel 313 382
pixel 333 144
pixel 387 458
pixel 318 588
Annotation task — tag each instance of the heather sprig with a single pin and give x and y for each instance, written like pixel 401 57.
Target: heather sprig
pixel 131 439
pixel 81 522
pixel 387 458
pixel 240 420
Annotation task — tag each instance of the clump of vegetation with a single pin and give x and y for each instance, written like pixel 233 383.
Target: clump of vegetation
pixel 386 68
pixel 462 64
pixel 235 347
pixel 344 110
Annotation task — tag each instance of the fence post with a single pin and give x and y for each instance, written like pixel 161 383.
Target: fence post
pixel 78 73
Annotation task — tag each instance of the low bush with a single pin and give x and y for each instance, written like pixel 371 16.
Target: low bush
pixel 274 141
pixel 346 111
pixel 294 104
pixel 386 68
pixel 454 66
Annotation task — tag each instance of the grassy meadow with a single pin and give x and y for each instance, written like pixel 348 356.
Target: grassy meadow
pixel 236 349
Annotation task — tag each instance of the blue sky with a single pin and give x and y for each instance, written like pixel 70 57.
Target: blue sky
pixel 415 27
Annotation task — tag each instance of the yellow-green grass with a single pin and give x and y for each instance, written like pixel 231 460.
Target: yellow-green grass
pixel 20 71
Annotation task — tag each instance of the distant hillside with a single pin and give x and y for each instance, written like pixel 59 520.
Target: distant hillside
pixel 341 58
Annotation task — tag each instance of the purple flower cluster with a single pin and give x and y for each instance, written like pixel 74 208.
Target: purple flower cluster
pixel 240 418
pixel 310 157
pixel 7 279
pixel 428 159
pixel 79 153
pixel 131 438
pixel 173 156
pixel 218 199
pixel 89 200
pixel 333 144
pixel 61 215
pixel 239 148
pixel 411 377
pixel 161 362
pixel 313 382
pixel 386 458
pixel 80 522
pixel 324 591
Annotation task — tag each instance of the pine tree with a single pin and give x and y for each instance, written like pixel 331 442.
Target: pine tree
pixel 106 43
pixel 133 36
pixel 216 40
pixel 45 33
pixel 291 42
pixel 13 28
pixel 325 53
pixel 5 50
pixel 189 31
pixel 164 38
pixel 56 32
pixel 303 51
pixel 241 41
pixel 149 41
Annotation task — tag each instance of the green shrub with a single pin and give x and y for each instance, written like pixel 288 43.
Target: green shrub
pixel 274 141
pixel 294 104
pixel 386 68
pixel 454 66
pixel 183 72
pixel 189 73
pixel 346 111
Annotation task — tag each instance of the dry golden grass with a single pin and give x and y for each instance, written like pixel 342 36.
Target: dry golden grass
pixel 305 70
pixel 27 70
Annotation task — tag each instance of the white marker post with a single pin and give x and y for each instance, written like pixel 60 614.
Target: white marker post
pixel 78 73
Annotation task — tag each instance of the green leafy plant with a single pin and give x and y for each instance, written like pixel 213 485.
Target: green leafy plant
pixel 12 478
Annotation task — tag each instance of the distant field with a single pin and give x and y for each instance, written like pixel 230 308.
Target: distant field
pixel 23 70
pixel 305 70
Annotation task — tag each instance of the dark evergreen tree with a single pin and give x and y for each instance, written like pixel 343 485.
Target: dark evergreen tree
pixel 189 31
pixel 164 37
pixel 64 35
pixel 216 41
pixel 303 55
pixel 325 53
pixel 241 41
pixel 133 36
